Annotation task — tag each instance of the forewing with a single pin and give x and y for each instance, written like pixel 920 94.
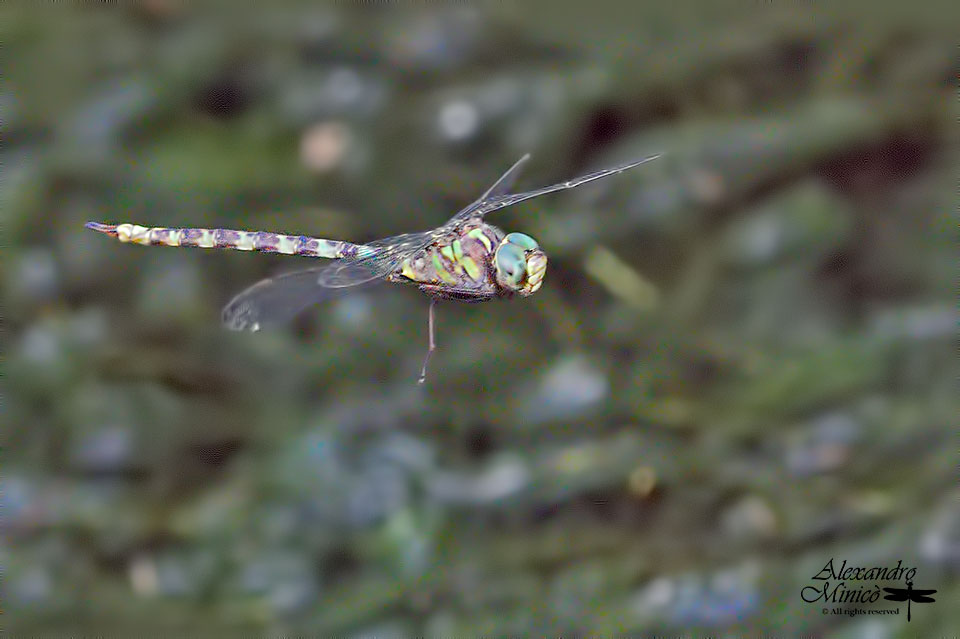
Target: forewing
pixel 499 188
pixel 496 198
pixel 277 300
pixel 374 260
pixel 506 181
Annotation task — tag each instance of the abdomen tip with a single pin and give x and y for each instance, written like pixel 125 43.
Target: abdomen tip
pixel 109 229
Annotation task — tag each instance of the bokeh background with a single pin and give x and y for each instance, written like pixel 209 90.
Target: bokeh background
pixel 742 363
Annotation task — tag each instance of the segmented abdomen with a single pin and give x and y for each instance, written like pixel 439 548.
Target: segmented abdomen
pixel 229 239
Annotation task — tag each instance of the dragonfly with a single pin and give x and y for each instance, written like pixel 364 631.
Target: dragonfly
pixel 466 259
pixel 908 594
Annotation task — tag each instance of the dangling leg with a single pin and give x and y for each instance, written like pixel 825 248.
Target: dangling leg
pixel 432 346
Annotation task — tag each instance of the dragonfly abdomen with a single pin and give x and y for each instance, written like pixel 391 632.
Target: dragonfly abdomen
pixel 263 241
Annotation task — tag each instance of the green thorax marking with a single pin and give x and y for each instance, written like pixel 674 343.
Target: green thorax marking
pixel 440 268
pixel 464 261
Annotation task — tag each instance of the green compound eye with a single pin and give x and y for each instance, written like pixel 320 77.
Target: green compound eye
pixel 511 260
pixel 511 263
pixel 522 240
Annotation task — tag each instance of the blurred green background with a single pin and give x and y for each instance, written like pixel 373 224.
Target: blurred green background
pixel 742 363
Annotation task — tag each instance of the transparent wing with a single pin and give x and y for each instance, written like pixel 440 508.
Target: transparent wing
pixel 502 186
pixel 276 300
pixel 496 197
pixel 499 188
pixel 374 260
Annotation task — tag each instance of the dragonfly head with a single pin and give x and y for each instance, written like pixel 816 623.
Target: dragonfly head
pixel 520 264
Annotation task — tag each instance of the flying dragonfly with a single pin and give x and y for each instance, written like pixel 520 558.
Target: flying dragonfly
pixel 466 259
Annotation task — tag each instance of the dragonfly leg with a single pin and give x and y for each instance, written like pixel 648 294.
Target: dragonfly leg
pixel 432 345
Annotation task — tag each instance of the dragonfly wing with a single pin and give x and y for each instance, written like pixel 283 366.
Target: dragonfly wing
pixel 509 200
pixel 502 186
pixel 499 188
pixel 276 300
pixel 374 260
pixel 502 200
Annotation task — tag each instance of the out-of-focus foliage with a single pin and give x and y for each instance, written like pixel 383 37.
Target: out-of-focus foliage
pixel 742 363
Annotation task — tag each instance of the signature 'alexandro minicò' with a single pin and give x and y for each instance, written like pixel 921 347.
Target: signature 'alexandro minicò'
pixel 466 259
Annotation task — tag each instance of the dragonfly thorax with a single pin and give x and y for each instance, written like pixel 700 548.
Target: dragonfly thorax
pixel 476 262
pixel 520 264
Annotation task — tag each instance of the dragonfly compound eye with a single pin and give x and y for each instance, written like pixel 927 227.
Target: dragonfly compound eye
pixel 520 263
pixel 522 240
pixel 511 265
